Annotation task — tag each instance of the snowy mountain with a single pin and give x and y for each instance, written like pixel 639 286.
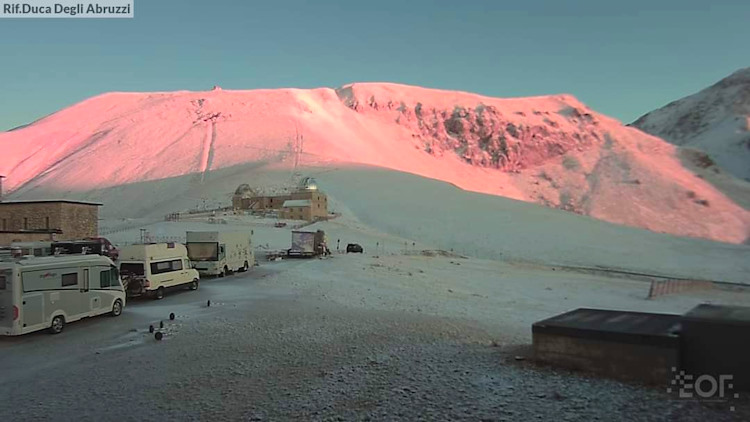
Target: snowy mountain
pixel 157 149
pixel 716 120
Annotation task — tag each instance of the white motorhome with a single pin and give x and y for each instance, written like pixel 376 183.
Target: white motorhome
pixel 150 269
pixel 39 293
pixel 220 253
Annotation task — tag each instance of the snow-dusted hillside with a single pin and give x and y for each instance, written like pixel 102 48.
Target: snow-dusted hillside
pixel 716 120
pixel 550 150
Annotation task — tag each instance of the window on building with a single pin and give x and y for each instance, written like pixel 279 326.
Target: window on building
pixel 46 223
pixel 70 279
pixel 25 223
pixel 5 224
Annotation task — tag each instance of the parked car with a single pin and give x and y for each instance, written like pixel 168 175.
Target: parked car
pixel 91 245
pixel 354 248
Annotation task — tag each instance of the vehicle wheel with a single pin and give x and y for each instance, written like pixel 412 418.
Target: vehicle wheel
pixel 117 308
pixel 58 323
pixel 226 270
pixel 159 295
pixel 194 285
pixel 245 267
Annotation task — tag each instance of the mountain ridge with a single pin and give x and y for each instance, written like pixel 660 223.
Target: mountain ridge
pixel 715 120
pixel 552 150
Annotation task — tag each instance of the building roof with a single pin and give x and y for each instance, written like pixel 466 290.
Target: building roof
pixel 57 259
pixel 33 231
pixel 43 201
pixel 296 203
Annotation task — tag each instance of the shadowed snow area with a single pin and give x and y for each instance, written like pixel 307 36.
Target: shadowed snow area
pixel 715 120
pixel 440 215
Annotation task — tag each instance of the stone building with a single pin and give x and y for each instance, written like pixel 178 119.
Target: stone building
pixel 44 220
pixel 306 203
pixel 296 209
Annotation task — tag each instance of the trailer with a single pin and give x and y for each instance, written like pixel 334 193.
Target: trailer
pixel 38 293
pixel 220 253
pixel 308 244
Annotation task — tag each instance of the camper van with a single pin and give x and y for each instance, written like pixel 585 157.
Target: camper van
pixel 151 269
pixel 39 293
pixel 220 253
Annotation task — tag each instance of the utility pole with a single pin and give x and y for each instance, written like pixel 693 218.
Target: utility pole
pixel 297 149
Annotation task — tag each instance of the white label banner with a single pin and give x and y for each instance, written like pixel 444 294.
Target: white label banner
pixel 68 9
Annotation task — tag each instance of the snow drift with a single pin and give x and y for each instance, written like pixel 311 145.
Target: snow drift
pixel 551 150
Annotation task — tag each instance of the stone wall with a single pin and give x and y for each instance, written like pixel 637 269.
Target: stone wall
pixel 74 220
pixel 296 213
pixel 79 221
pixel 30 216
pixel 318 201
pixel 8 238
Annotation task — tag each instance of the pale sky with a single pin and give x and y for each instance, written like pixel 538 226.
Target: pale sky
pixel 621 58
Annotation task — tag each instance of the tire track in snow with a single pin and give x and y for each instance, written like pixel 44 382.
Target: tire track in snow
pixel 207 154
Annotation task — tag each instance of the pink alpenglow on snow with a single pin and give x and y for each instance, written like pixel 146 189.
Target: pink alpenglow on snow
pixel 551 150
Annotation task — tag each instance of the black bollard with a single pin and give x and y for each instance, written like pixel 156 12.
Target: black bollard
pixel 158 335
pixel 161 324
pixel 151 328
pixel 171 316
pixel 208 303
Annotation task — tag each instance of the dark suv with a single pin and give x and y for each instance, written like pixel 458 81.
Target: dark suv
pixel 354 248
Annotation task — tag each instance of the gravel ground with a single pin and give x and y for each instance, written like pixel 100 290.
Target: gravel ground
pixel 265 350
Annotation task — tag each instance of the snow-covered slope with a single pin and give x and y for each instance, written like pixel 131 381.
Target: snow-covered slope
pixel 551 150
pixel 716 120
pixel 438 215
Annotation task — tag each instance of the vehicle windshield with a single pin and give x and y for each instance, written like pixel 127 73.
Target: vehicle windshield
pixel 127 268
pixel 203 251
